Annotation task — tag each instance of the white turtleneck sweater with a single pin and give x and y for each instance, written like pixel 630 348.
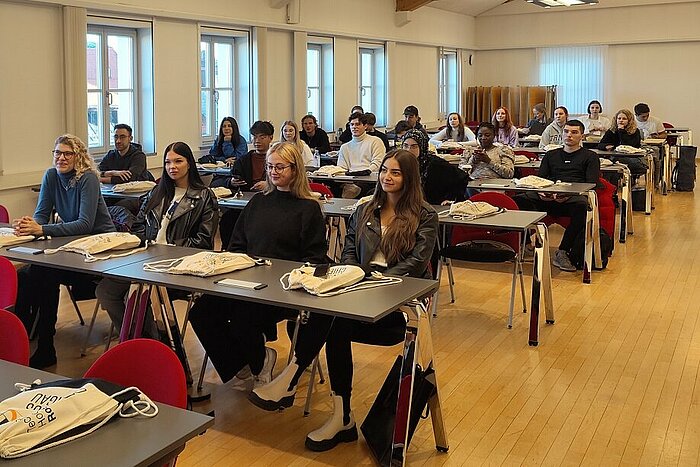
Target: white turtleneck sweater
pixel 362 153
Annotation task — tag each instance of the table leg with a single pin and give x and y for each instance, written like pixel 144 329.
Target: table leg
pixel 649 185
pixel 597 252
pixel 159 298
pixel 665 154
pixel 626 206
pixel 541 279
pixel 416 351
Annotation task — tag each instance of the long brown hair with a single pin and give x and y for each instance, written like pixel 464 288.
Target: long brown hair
pixel 399 238
pixel 631 122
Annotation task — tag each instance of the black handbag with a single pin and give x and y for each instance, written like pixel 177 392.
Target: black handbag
pixel 378 426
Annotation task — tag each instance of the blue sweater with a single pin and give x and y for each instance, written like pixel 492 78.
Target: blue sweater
pixel 227 150
pixel 79 204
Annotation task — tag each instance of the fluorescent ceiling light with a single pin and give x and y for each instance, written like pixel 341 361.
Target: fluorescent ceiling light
pixel 556 3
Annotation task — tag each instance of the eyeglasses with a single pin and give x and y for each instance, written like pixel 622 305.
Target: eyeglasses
pixel 408 147
pixel 278 168
pixel 66 154
pixel 119 137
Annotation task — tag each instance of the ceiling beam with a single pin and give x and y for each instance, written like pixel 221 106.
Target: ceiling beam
pixel 411 5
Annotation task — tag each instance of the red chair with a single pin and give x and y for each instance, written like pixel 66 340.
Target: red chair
pixel 147 364
pixel 321 188
pixel 460 235
pixel 4 215
pixel 473 125
pixel 8 283
pixel 14 342
pixel 671 140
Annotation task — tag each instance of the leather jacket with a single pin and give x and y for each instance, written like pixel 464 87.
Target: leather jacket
pixel 360 250
pixel 193 223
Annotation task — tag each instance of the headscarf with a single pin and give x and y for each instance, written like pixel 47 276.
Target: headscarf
pixel 424 157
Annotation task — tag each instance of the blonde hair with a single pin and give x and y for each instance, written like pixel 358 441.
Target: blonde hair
pixel 631 122
pixel 290 153
pixel 297 141
pixel 83 161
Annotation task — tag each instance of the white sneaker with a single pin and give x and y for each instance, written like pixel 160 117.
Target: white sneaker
pixel 265 375
pixel 243 381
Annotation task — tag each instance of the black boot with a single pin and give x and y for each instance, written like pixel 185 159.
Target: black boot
pixel 44 356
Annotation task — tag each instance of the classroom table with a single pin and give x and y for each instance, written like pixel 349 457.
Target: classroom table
pixel 134 441
pixel 107 192
pixel 592 241
pixel 371 178
pixel 367 305
pixel 625 211
pixel 679 132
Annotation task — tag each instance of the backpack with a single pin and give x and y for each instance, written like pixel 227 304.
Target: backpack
pixel 683 177
pixel 576 253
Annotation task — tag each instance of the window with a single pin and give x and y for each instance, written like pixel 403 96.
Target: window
pixel 578 73
pixel 224 81
pixel 372 95
pixel 319 80
pixel 448 74
pixel 111 83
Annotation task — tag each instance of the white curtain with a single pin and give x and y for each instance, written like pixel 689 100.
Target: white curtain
pixel 75 77
pixel 578 73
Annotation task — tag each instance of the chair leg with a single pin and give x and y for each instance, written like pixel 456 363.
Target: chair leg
pixel 75 305
pixel 190 302
pixel 109 336
pixel 512 294
pixel 83 349
pixel 295 334
pixel 522 286
pixel 307 406
pixel 451 280
pixel 200 381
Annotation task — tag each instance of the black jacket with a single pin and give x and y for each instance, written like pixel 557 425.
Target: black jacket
pixel 616 138
pixel 134 161
pixel 443 181
pixel 360 250
pixel 193 223
pixel 243 168
pixel 318 141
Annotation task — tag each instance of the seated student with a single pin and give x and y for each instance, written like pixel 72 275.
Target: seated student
pixel 313 135
pixel 538 122
pixel 371 121
pixel 347 134
pixel 650 126
pixel 625 132
pixel 229 145
pixel 180 211
pixel 400 129
pixel 410 114
pixel 554 133
pixel 441 180
pixel 249 170
pixel 363 152
pixel 284 222
pixel 454 131
pixel 571 163
pixel 126 162
pixel 290 134
pixel 490 160
pixel 70 189
pixel 596 124
pixel 394 233
pixel 506 133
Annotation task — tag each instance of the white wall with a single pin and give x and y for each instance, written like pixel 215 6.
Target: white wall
pixel 653 53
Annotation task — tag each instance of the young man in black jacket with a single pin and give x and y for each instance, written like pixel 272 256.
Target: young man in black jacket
pixel 571 163
pixel 126 162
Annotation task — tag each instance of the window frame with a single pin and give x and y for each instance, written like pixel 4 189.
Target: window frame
pixel 448 82
pixel 105 31
pixel 318 48
pixel 378 86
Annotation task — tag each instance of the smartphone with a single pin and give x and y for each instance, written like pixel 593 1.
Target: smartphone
pixel 26 250
pixel 241 284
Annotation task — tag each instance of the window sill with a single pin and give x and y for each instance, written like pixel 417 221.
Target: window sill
pixel 21 180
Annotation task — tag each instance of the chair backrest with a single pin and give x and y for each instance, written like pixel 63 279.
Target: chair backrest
pixel 512 239
pixel 8 283
pixel 4 215
pixel 14 343
pixel 321 188
pixel 667 125
pixel 147 364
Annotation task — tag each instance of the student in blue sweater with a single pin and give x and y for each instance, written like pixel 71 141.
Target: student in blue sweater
pixel 71 189
pixel 229 145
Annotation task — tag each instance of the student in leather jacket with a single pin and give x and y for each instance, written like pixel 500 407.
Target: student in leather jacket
pixel 180 211
pixel 393 233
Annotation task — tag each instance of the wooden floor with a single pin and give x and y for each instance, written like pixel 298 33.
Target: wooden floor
pixel 614 381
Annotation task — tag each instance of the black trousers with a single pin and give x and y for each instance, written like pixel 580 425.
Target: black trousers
pixel 575 207
pixel 338 334
pixel 38 291
pixel 233 332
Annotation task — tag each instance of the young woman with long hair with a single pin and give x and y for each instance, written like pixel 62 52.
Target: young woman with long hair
pixel 506 133
pixel 394 233
pixel 454 131
pixel 283 221
pixel 290 134
pixel 625 132
pixel 229 144
pixel 180 210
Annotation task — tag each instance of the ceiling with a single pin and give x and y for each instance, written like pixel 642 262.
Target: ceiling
pixel 509 7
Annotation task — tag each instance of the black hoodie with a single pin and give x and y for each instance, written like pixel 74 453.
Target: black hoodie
pixel 134 161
